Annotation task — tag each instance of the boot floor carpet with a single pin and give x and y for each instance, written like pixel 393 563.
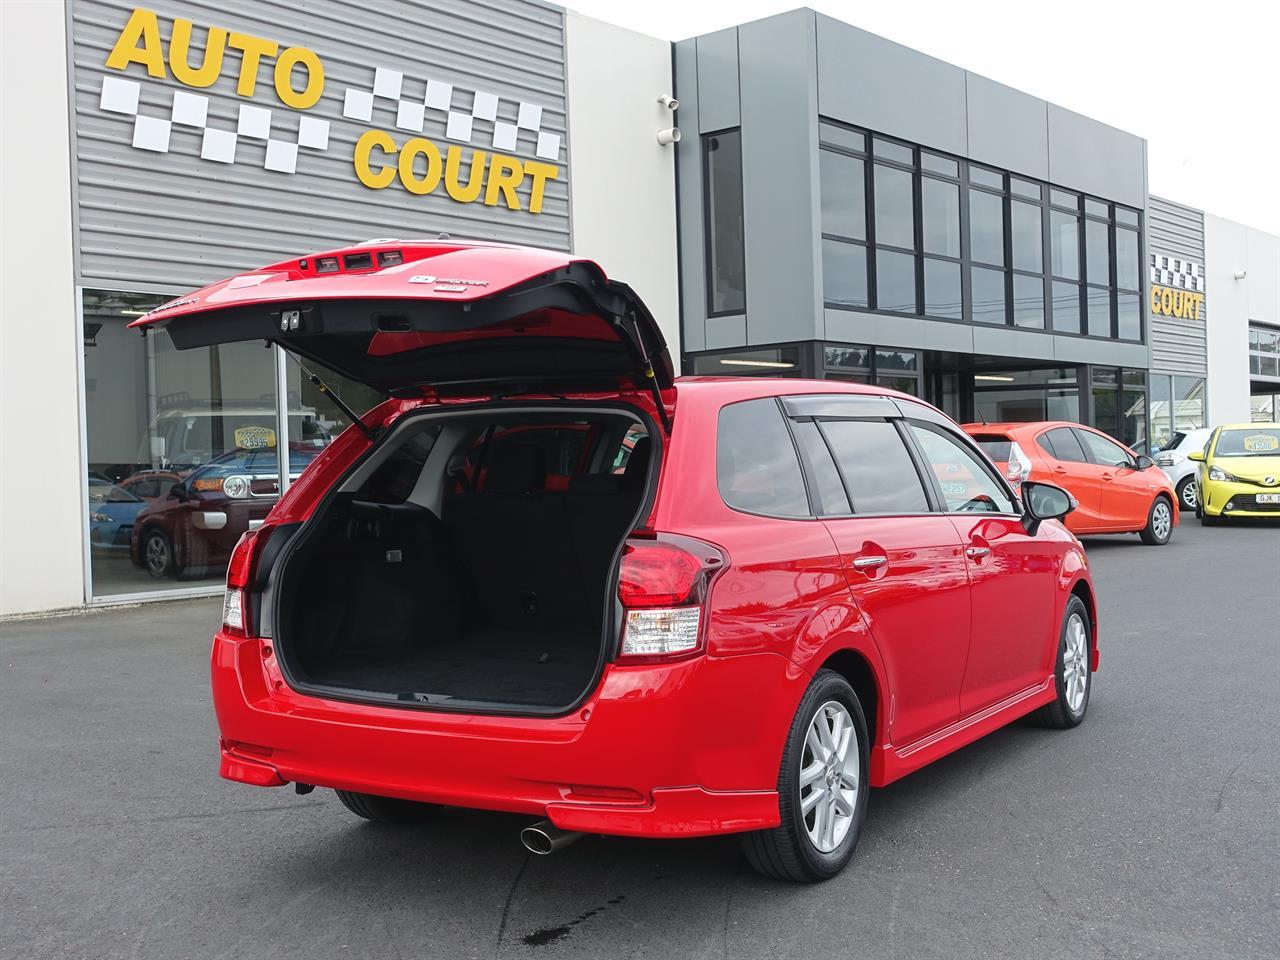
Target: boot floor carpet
pixel 530 669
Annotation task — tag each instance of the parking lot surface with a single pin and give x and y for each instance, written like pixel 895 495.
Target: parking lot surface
pixel 1153 830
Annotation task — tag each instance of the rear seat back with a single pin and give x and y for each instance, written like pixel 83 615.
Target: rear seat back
pixel 512 539
pixel 539 560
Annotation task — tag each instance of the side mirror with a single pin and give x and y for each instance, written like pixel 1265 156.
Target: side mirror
pixel 1197 455
pixel 178 491
pixel 1143 462
pixel 1044 501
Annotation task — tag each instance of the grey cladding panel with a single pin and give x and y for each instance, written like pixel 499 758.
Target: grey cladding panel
pixel 1091 156
pixel 717 80
pixel 1178 345
pixel 780 178
pixel 1007 128
pixel 177 220
pixel 689 199
pixel 872 82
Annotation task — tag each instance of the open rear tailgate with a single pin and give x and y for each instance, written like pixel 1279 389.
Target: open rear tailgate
pixel 400 316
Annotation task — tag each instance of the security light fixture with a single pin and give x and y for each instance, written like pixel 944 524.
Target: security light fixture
pixel 670 102
pixel 669 135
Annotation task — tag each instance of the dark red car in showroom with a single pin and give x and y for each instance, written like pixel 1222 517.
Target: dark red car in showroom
pixel 782 600
pixel 191 528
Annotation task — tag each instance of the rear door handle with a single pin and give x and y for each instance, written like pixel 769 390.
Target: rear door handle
pixel 869 562
pixel 975 552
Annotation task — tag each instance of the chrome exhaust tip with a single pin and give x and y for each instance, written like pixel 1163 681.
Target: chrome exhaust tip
pixel 545 837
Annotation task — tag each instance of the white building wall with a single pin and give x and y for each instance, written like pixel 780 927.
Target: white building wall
pixel 1230 249
pixel 41 477
pixel 623 197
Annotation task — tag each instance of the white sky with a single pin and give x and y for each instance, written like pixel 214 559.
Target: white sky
pixel 1200 81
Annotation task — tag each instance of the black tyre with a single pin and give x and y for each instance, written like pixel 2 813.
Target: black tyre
pixel 1159 526
pixel 822 787
pixel 1188 494
pixel 390 810
pixel 1073 672
pixel 1208 521
pixel 158 558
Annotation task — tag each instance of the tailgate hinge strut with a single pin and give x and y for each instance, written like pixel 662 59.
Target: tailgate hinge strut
pixel 370 433
pixel 650 380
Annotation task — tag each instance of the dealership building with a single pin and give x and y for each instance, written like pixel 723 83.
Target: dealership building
pixel 834 205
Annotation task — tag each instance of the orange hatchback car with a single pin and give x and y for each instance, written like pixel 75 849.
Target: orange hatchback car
pixel 1119 491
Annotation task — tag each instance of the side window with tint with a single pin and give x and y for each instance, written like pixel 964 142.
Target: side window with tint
pixel 1061 444
pixel 833 501
pixel 1105 452
pixel 756 465
pixel 967 484
pixel 880 475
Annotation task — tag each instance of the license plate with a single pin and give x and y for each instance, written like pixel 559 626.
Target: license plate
pixel 1269 498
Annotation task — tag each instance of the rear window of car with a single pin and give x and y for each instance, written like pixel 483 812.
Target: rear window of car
pixel 994 445
pixel 757 469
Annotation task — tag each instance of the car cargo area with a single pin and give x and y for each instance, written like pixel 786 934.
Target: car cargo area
pixel 468 560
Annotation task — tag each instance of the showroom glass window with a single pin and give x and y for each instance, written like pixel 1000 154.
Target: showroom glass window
pixel 896 369
pixel 1176 405
pixel 842 163
pixel 1120 405
pixel 894 224
pixel 1264 352
pixel 726 251
pixel 1052 393
pixel 1128 278
pixel 940 235
pixel 1026 226
pixel 908 230
pixel 1064 260
pixel 183 446
pixel 987 251
pixel 780 361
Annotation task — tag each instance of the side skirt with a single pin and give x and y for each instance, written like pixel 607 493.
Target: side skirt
pixel 889 764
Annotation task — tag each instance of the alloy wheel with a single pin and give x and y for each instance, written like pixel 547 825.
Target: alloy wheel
pixel 1075 664
pixel 829 771
pixel 157 555
pixel 1189 495
pixel 1161 520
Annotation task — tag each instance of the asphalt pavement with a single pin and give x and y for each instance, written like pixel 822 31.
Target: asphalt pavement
pixel 1153 830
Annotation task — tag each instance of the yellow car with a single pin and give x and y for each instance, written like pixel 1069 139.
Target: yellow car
pixel 1239 474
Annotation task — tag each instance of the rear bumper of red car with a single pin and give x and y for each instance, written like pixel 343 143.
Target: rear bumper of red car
pixel 687 749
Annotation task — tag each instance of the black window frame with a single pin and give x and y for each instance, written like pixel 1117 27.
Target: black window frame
pixel 708 236
pixel 1015 188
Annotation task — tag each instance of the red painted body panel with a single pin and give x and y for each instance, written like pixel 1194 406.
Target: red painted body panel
pixel 1112 499
pixel 951 647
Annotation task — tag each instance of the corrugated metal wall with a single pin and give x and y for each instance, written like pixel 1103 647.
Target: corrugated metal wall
pixel 178 220
pixel 1177 345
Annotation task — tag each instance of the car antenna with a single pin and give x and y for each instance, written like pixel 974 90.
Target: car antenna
pixel 368 431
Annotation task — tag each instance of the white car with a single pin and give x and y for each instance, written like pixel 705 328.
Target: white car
pixel 1172 459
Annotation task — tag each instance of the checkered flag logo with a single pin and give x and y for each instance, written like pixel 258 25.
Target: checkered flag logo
pixel 192 110
pixel 460 124
pixel 1175 272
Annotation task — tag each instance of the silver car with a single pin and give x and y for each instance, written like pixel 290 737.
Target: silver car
pixel 1172 459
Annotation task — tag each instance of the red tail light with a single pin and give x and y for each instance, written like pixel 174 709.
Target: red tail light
pixel 235 606
pixel 662 584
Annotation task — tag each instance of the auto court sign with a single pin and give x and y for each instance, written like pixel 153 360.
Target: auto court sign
pixel 271 74
pixel 1177 288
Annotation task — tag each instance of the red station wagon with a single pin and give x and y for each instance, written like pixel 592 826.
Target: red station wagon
pixel 732 607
